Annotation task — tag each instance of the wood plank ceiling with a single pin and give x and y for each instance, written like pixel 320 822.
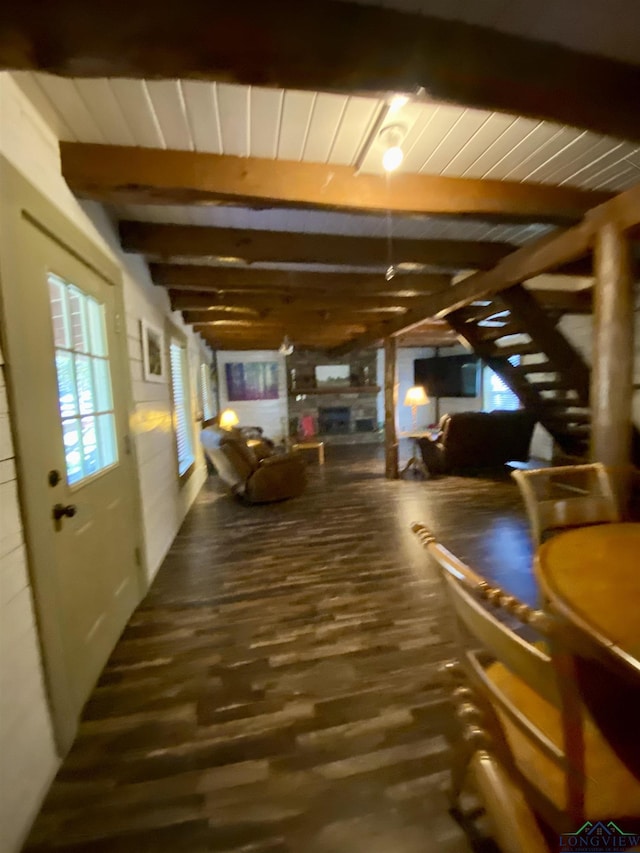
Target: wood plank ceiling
pixel 254 249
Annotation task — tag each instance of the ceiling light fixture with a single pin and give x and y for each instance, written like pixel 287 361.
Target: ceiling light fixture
pixel 391 138
pixel 397 102
pixel 286 347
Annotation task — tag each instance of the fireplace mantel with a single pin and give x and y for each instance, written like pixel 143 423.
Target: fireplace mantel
pixel 336 389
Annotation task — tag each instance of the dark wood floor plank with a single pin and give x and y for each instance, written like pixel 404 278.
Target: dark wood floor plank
pixel 278 690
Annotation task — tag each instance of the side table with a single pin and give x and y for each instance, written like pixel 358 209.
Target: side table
pixel 311 444
pixel 416 463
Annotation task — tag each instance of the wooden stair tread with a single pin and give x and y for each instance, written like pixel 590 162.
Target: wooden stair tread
pixel 552 385
pixel 515 349
pixel 479 313
pixel 570 417
pixel 567 418
pixel 577 430
pixel 539 367
pixel 488 334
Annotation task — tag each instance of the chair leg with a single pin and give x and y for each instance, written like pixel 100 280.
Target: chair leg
pixel 461 760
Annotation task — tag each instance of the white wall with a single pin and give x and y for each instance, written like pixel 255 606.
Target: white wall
pixel 578 329
pixel 28 760
pixel 271 415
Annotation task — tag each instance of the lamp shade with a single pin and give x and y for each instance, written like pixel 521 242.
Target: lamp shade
pixel 416 396
pixel 228 419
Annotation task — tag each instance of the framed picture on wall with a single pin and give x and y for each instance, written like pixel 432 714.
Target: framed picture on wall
pixel 153 369
pixel 252 380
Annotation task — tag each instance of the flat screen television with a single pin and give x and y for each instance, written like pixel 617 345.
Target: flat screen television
pixel 448 375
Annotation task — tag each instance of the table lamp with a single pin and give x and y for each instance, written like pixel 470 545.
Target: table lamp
pixel 228 419
pixel 415 397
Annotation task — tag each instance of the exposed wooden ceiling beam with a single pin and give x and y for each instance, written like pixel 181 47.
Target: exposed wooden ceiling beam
pixel 123 175
pixel 427 339
pixel 188 300
pixel 303 315
pixel 170 241
pixel 536 258
pixel 322 44
pixel 565 301
pixel 429 333
pixel 376 332
pixel 271 338
pixel 246 305
pixel 202 278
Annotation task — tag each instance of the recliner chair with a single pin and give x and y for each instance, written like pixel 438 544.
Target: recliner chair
pixel 271 478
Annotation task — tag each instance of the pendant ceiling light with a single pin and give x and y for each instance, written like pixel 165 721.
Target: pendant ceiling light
pixel 391 138
pixel 391 269
pixel 286 347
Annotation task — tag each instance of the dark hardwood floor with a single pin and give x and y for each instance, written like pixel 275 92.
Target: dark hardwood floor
pixel 278 691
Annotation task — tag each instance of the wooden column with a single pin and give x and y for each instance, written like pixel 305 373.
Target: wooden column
pixel 390 402
pixel 612 373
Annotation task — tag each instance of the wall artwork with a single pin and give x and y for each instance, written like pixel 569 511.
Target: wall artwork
pixel 152 353
pixel 252 380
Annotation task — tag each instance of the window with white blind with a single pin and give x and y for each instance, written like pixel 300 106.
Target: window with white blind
pixel 181 407
pixel 496 393
pixel 206 396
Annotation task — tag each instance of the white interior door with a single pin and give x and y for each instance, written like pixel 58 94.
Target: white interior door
pixel 68 367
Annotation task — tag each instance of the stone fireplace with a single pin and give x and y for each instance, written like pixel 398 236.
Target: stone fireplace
pixel 334 419
pixel 341 414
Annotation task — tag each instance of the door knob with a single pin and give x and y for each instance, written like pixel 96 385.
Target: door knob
pixel 60 511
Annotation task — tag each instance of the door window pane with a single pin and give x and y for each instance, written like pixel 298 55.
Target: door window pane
pixel 72 449
pixel 59 314
pixel 67 395
pixel 97 336
pixel 84 380
pixel 102 384
pixel 91 456
pixel 78 319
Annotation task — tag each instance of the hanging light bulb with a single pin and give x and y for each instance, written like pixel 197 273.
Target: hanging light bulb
pixel 391 137
pixel 286 347
pixel 390 273
pixel 392 158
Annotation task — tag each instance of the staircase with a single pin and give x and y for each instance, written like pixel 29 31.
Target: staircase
pixel 520 341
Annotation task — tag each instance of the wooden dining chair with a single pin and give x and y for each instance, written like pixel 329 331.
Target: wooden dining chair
pixel 526 742
pixel 567 496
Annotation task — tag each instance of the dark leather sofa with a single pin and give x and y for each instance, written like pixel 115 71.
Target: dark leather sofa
pixel 254 476
pixel 473 440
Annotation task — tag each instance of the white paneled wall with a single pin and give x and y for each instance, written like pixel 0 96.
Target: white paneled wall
pixel 271 415
pixel 26 745
pixel 579 330
pixel 26 742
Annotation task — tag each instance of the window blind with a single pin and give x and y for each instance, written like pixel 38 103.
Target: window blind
pixel 497 394
pixel 205 392
pixel 181 407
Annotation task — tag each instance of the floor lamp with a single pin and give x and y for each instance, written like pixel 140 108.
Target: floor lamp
pixel 415 396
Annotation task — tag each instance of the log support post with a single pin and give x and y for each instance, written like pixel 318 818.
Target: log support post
pixel 390 404
pixel 613 352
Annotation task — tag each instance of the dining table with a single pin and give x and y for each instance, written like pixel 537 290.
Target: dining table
pixel 590 576
pixel 590 580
